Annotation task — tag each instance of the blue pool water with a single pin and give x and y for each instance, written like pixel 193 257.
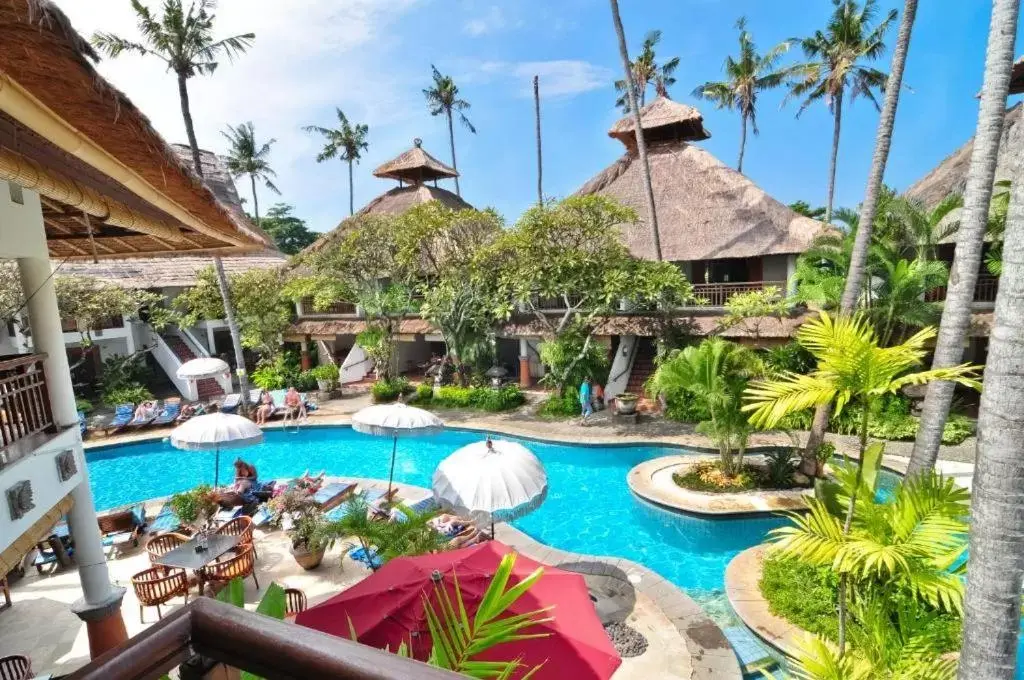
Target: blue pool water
pixel 589 508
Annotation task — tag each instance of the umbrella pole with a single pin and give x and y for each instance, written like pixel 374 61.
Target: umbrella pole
pixel 492 525
pixel 391 475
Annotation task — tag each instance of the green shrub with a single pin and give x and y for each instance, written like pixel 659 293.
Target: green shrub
pixel 958 428
pixel 83 405
pixel 384 391
pixel 325 372
pixel 686 408
pixel 560 407
pixel 424 392
pixel 129 394
pixel 498 399
pixel 304 382
pixel 454 397
pixel 791 357
pixel 190 505
pixel 707 475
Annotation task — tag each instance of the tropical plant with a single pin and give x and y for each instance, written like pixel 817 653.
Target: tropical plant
pixel 443 99
pixel 804 208
pixel 184 41
pixel 289 232
pixel 247 157
pixel 747 75
pixel 572 357
pixel 274 604
pixel 716 372
pixel 853 369
pixel 835 68
pixel 970 242
pixel 194 507
pixel 638 130
pixel 347 142
pixel 91 302
pixel 753 308
pixel 647 71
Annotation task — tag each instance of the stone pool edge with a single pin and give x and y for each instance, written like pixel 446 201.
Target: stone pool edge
pixel 742 576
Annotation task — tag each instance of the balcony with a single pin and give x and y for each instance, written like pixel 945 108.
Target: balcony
pixel 24 402
pixel 717 294
pixel 984 292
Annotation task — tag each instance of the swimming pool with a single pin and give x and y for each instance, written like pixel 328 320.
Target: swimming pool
pixel 589 508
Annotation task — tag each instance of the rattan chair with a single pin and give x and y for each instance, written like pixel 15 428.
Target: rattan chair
pixel 295 601
pixel 242 527
pixel 15 667
pixel 161 544
pixel 157 586
pixel 242 564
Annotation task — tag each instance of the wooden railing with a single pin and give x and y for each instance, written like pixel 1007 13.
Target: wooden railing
pixel 335 309
pixel 984 291
pixel 205 632
pixel 717 294
pixel 24 401
pixel 71 325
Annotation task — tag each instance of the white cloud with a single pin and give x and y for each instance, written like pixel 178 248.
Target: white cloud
pixel 491 21
pixel 558 78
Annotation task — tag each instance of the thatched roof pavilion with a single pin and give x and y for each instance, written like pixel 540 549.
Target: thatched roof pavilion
pixel 110 185
pixel 414 166
pixel 706 210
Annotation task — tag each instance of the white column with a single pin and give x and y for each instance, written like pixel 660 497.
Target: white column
pixel 211 345
pixel 129 337
pixel 47 337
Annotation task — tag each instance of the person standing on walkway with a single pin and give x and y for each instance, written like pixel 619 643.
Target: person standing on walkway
pixel 586 398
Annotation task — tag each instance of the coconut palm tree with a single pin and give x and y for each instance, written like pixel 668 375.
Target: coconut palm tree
pixel 346 142
pixel 443 98
pixel 641 143
pixel 246 157
pixel 182 40
pixel 967 260
pixel 853 369
pixel 834 68
pixel 746 75
pixel 647 71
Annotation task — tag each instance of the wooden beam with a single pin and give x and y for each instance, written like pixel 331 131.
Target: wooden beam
pixel 127 245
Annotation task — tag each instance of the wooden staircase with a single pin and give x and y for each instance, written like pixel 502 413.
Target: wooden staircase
pixel 643 365
pixel 208 388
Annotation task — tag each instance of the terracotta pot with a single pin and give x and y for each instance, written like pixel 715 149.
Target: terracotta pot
pixel 306 559
pixel 626 405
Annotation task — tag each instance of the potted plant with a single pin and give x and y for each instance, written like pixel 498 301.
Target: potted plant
pixel 195 508
pixel 625 403
pixel 308 546
pixel 326 376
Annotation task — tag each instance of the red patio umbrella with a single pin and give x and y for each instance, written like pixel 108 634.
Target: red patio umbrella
pixel 386 609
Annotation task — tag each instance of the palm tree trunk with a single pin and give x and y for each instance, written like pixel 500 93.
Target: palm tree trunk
pixel 190 131
pixel 883 140
pixel 743 141
pixel 451 142
pixel 996 567
pixel 641 144
pixel 229 312
pixel 540 165
pixel 255 200
pixel 351 198
pixel 956 312
pixel 837 115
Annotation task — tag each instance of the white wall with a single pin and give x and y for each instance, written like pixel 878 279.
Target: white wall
pixel 411 353
pixel 16 239
pixel 622 363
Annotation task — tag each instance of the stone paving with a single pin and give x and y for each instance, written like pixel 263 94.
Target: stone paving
pixel 741 586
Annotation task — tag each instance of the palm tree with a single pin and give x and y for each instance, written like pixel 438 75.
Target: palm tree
pixel 853 369
pixel 182 40
pixel 646 71
pixel 967 260
pixel 246 157
pixel 746 75
pixel 347 142
pixel 443 98
pixel 641 143
pixel 994 572
pixel 834 68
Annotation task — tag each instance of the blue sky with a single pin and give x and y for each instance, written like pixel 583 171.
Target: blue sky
pixel 372 59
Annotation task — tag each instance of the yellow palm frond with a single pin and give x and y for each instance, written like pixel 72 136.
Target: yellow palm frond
pixel 771 401
pixel 815 537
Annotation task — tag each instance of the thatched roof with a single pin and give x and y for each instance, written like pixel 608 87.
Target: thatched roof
pixel 1017 77
pixel 950 176
pixel 177 271
pixel 328 328
pixel 662 119
pixel 73 129
pixel 415 166
pixel 394 202
pixel 649 326
pixel 706 210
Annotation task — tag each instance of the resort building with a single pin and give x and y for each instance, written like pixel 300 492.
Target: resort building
pixel 167 276
pixel 83 175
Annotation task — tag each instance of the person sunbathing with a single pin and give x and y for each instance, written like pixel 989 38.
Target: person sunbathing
pixel 145 412
pixel 240 492
pixel 293 405
pixel 471 535
pixel 449 525
pixel 266 409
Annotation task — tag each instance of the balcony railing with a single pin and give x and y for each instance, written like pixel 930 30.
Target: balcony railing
pixel 984 291
pixel 717 294
pixel 24 401
pixel 196 636
pixel 71 325
pixel 335 309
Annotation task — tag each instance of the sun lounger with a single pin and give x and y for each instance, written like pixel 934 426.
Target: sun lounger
pixel 164 521
pixel 122 528
pixel 333 494
pixel 123 415
pixel 170 413
pixel 136 423
pixel 368 557
pixel 225 515
pixel 230 403
pixel 262 516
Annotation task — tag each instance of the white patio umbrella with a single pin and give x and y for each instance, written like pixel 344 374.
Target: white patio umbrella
pixel 216 431
pixel 203 367
pixel 395 420
pixel 498 477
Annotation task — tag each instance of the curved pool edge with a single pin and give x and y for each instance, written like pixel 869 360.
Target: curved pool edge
pixel 742 576
pixel 711 655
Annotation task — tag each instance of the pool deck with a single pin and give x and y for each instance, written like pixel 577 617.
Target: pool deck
pixel 652 480
pixel 742 577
